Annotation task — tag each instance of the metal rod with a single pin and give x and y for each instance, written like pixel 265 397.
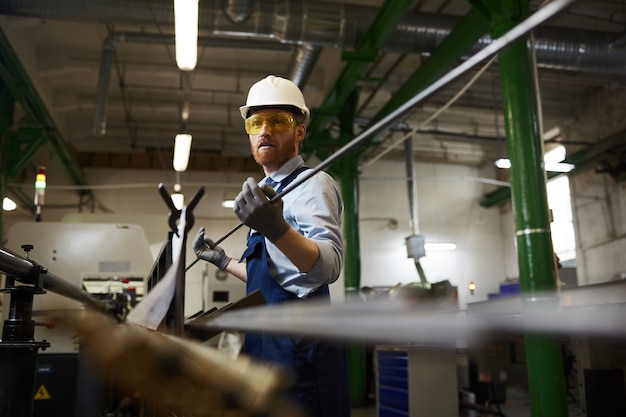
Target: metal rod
pixel 405 321
pixel 28 272
pixel 13 264
pixel 518 31
pixel 411 185
pixel 512 35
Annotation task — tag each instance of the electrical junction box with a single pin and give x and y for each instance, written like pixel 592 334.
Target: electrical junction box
pixel 415 246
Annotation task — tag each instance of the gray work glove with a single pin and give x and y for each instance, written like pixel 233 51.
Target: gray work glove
pixel 205 249
pixel 253 208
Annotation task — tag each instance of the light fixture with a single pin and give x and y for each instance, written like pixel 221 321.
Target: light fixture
pixel 228 203
pixel 471 287
pixel 178 199
pixel 8 204
pixel 443 246
pixel 560 167
pixel 186 33
pixel 503 163
pixel 552 161
pixel 553 158
pixel 182 148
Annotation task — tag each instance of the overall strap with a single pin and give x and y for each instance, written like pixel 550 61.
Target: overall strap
pixel 289 178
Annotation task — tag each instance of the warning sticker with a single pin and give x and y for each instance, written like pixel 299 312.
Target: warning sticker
pixel 42 393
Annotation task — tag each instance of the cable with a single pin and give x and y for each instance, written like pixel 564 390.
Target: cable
pixel 431 118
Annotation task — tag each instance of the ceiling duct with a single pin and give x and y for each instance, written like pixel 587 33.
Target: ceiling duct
pixel 238 11
pixel 324 24
pixel 304 63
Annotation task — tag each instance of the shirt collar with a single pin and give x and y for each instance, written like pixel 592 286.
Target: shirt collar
pixel 287 168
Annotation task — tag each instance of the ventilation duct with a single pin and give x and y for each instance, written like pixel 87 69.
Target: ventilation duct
pixel 323 24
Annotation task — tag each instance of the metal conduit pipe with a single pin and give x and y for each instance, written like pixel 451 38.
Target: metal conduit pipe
pixel 238 11
pixel 326 24
pixel 303 64
pixel 185 107
pixel 102 91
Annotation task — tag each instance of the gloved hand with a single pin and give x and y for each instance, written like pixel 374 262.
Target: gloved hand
pixel 254 210
pixel 205 249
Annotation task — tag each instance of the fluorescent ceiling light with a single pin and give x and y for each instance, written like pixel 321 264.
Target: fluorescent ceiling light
pixel 554 155
pixel 8 204
pixel 559 167
pixel 186 33
pixel 443 246
pixel 552 161
pixel 228 203
pixel 178 199
pixel 554 167
pixel 503 163
pixel 182 149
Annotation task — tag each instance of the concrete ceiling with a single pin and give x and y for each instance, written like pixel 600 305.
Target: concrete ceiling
pixel 60 46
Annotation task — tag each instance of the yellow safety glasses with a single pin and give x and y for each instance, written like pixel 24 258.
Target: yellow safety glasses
pixel 277 122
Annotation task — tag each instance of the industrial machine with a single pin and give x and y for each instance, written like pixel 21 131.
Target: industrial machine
pixel 103 363
pixel 105 261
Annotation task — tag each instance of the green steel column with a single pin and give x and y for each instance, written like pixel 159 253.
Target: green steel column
pixel 530 209
pixel 459 41
pixel 346 170
pixel 348 179
pixel 6 118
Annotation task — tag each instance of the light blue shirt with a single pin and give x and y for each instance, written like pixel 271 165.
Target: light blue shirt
pixel 314 209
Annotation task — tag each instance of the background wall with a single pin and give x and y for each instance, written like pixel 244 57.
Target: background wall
pixel 599 201
pixel 448 198
pixel 448 206
pixel 448 211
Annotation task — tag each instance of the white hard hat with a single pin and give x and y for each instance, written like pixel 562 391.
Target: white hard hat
pixel 274 91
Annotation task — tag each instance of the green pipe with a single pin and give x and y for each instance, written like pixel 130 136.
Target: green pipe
pixel 448 53
pixel 349 191
pixel 348 178
pixel 346 170
pixel 383 25
pixel 27 142
pixel 24 92
pixel 530 209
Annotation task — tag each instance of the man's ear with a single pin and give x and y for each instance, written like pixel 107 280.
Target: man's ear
pixel 300 133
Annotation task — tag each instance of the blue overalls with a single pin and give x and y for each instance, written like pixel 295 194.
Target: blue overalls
pixel 320 369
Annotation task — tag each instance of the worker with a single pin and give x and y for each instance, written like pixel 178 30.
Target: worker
pixel 295 248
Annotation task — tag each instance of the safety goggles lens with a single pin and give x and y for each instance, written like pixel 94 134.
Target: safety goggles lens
pixel 277 122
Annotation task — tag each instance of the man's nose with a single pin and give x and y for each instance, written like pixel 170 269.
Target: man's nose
pixel 265 128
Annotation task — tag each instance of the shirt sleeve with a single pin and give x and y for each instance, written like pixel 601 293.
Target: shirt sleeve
pixel 315 212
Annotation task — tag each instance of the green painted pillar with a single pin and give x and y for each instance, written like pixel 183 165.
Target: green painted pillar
pixel 348 179
pixel 346 171
pixel 535 255
pixel 6 119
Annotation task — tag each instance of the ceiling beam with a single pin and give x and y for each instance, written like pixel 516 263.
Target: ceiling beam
pixel 580 159
pixel 13 75
pixel 379 31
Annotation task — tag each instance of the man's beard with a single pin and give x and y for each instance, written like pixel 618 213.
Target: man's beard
pixel 278 154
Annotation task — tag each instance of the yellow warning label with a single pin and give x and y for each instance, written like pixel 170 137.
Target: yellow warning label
pixel 42 393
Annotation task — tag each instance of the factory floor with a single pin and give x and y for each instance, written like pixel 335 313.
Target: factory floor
pixel 369 411
pixel 517 405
